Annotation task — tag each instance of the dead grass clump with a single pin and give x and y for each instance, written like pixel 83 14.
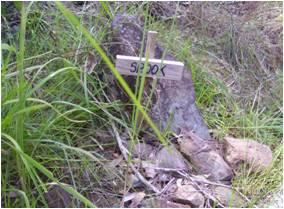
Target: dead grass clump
pixel 248 37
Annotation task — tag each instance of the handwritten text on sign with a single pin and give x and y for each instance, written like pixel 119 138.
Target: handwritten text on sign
pixel 162 69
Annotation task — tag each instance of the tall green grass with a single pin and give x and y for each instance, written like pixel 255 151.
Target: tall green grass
pixel 21 95
pixel 74 21
pixel 41 111
pixel 225 115
pixel 16 128
pixel 55 115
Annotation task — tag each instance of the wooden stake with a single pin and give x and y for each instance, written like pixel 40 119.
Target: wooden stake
pixel 128 65
pixel 157 68
pixel 151 44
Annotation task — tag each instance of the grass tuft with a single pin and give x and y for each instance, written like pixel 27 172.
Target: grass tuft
pixel 56 113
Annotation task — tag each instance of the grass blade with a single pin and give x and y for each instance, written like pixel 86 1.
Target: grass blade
pixel 21 94
pixel 75 22
pixel 31 164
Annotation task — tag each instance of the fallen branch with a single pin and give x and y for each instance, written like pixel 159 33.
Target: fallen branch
pixel 194 178
pixel 124 153
pixel 170 183
pixel 206 194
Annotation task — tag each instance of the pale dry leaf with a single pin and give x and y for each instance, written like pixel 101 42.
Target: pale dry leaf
pixel 114 162
pixel 132 181
pixel 179 181
pixel 137 199
pixel 128 197
pixel 149 169
pixel 90 63
pixel 141 150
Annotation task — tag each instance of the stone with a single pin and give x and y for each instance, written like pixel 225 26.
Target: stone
pixel 162 203
pixel 176 103
pixel 141 150
pixel 170 158
pixel 205 158
pixel 56 197
pixel 228 197
pixel 258 156
pixel 187 194
pixel 173 101
pixel 149 168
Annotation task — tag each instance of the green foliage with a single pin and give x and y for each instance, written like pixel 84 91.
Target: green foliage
pixel 53 111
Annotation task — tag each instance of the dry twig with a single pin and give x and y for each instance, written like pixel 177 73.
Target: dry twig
pixel 208 195
pixel 124 153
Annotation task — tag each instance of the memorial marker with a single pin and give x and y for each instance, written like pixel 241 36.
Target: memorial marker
pixel 162 69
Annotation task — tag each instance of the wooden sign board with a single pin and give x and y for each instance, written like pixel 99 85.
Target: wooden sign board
pixel 162 69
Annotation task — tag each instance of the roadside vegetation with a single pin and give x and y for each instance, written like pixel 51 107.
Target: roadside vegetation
pixel 57 116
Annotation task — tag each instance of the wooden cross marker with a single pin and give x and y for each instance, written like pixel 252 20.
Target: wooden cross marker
pixel 162 69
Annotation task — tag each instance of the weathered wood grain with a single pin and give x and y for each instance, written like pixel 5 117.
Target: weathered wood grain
pixel 162 69
pixel 151 44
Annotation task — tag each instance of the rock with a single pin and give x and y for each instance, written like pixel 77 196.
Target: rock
pixel 127 33
pixel 187 194
pixel 141 150
pixel 56 197
pixel 162 203
pixel 228 197
pixel 173 100
pixel 176 101
pixel 256 155
pixel 205 158
pixel 149 168
pixel 163 10
pixel 170 158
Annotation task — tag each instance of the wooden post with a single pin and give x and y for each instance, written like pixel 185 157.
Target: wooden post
pixel 157 68
pixel 171 70
pixel 151 44
pixel 150 54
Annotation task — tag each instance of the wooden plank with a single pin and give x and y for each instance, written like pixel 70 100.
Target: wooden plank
pixel 151 44
pixel 162 69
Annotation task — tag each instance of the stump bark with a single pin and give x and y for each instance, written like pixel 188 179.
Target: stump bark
pixel 173 100
pixel 173 103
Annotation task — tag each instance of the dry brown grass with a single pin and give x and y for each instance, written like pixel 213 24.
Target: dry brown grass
pixel 240 42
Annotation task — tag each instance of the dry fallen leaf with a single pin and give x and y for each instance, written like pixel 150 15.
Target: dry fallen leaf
pixel 90 63
pixel 179 181
pixel 114 162
pixel 140 150
pixel 135 198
